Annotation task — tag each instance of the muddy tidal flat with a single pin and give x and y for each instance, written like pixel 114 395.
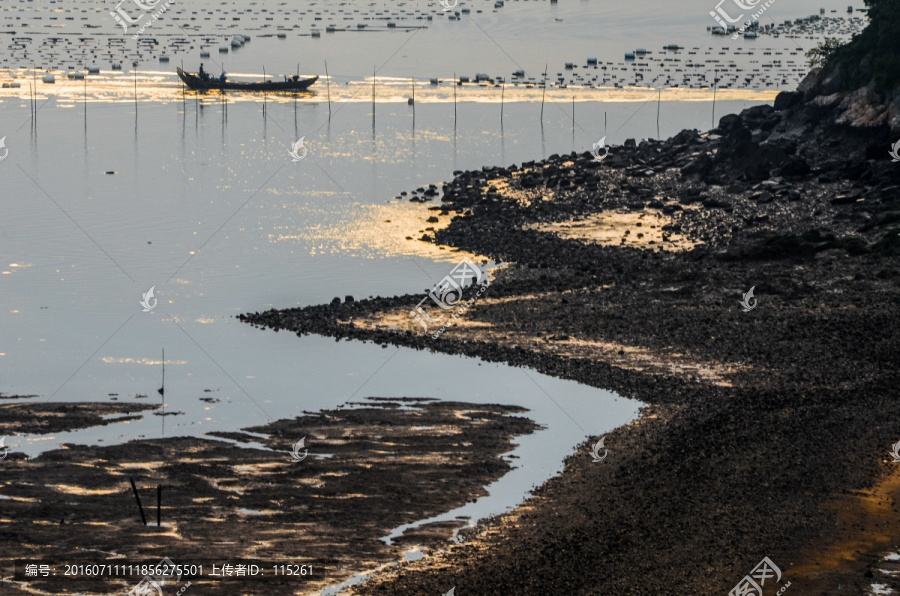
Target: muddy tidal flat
pixel 365 469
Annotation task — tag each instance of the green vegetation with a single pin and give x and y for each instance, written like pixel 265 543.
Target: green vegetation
pixel 873 56
pixel 821 54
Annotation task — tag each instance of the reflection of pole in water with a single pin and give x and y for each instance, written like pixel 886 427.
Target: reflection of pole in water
pixel 373 98
pixel 455 83
pixel 543 144
pixel 328 86
pixel 658 102
pixel 162 391
pixel 502 93
pixel 715 85
pixel 543 94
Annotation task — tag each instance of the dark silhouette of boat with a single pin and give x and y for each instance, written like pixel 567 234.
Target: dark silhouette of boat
pixel 203 81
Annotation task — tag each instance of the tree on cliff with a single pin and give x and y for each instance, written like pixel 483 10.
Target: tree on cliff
pixel 873 56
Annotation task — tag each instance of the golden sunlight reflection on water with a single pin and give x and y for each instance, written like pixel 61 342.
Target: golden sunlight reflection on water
pixel 375 231
pixel 165 87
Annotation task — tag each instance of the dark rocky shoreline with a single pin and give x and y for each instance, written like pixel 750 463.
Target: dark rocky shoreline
pixel 763 426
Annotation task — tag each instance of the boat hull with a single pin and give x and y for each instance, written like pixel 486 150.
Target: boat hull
pixel 195 82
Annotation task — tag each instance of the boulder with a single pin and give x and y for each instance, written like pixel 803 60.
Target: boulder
pixel 730 123
pixel 787 100
pixel 737 144
pixel 701 166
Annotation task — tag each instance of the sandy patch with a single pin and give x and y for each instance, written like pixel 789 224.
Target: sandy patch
pixel 616 228
pixel 620 355
pixel 866 528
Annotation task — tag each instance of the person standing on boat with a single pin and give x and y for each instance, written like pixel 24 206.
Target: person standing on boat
pixel 203 75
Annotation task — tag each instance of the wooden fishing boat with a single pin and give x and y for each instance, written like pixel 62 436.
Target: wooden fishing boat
pixel 195 81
